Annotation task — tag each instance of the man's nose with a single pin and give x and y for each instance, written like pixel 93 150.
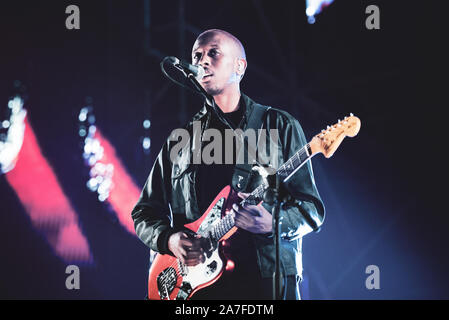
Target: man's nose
pixel 204 61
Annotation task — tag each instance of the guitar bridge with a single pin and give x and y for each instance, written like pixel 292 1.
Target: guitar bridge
pixel 211 267
pixel 166 282
pixel 184 291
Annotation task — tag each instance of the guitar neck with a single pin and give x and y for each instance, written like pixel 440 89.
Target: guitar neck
pixel 289 168
pixel 325 142
pixel 286 171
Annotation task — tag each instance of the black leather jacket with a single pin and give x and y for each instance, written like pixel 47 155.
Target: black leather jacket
pixel 169 200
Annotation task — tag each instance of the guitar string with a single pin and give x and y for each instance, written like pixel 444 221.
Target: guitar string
pixel 165 280
pixel 284 167
pixel 173 265
pixel 258 191
pixel 177 262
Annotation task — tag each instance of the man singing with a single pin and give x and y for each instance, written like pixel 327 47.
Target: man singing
pixel 179 192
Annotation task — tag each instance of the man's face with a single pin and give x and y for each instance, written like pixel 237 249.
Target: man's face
pixel 216 53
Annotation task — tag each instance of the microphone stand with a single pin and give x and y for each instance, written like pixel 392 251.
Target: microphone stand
pixel 191 76
pixel 220 114
pixel 274 195
pixel 209 100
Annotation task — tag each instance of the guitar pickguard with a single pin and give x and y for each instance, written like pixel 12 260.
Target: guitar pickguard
pixel 212 218
pixel 196 276
pixel 170 279
pixel 202 273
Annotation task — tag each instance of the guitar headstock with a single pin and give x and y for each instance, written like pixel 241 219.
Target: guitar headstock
pixel 328 140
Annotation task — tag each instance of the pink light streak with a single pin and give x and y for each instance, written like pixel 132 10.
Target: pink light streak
pixel 124 193
pixel 41 194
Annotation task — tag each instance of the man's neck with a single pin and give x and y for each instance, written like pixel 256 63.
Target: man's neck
pixel 228 102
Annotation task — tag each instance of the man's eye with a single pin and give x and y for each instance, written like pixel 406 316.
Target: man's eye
pixel 213 53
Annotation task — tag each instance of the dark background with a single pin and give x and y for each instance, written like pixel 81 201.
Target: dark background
pixel 380 188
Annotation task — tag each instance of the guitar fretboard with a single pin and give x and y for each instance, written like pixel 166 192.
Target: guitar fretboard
pixel 295 162
pixel 285 171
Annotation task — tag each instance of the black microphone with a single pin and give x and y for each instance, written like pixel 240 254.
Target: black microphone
pixel 187 68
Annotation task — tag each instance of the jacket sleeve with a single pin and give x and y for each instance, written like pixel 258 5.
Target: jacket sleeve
pixel 152 215
pixel 306 214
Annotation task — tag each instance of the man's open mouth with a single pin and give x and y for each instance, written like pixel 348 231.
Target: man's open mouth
pixel 207 76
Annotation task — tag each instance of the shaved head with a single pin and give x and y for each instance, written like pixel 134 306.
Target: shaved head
pixel 223 58
pixel 208 35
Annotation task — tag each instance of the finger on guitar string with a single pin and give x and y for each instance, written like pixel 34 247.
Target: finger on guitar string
pixel 243 195
pixel 192 247
pixel 187 248
pixel 192 256
pixel 250 209
pixel 254 219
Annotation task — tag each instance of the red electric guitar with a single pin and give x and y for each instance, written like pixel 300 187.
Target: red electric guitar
pixel 169 279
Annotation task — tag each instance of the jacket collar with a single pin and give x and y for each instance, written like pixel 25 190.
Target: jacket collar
pixel 249 104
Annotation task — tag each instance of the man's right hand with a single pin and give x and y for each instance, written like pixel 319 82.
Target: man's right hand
pixel 186 248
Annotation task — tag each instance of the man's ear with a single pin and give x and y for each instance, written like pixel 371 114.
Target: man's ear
pixel 241 66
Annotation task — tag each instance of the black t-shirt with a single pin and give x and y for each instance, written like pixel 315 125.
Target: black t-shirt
pixel 211 179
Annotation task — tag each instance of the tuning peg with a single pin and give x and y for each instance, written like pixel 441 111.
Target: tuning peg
pixel 351 114
pixel 339 120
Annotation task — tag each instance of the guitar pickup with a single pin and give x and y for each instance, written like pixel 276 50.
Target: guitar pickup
pixel 211 267
pixel 208 246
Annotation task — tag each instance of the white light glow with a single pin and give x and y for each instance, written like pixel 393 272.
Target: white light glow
pixel 82 116
pixel 146 143
pixel 5 124
pixel 10 148
pixel 92 129
pixel 314 7
pixel 15 104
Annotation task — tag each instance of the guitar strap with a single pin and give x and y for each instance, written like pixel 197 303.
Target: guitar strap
pixel 242 171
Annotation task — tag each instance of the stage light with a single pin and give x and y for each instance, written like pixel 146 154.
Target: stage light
pixel 92 184
pixel 102 197
pixel 91 119
pixel 15 104
pixel 107 175
pixel 310 11
pixel 314 7
pixel 311 19
pixel 99 180
pixel 12 140
pixel 105 186
pixel 146 143
pixel 230 265
pixel 100 174
pixel 83 115
pixel 5 124
pixel 38 188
